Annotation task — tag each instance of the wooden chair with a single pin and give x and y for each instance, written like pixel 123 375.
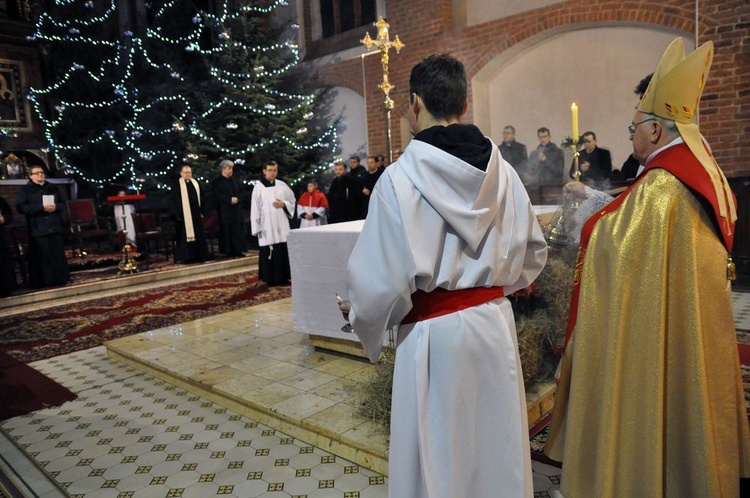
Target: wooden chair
pixel 85 224
pixel 147 232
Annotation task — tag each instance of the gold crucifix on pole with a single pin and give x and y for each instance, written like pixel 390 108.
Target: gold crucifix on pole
pixel 384 44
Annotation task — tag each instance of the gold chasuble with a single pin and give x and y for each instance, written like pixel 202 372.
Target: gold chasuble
pixel 650 401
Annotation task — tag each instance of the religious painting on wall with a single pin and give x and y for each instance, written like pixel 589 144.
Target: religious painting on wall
pixel 14 107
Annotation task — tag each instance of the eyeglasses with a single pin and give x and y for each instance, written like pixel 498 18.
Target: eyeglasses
pixel 631 128
pixel 38 173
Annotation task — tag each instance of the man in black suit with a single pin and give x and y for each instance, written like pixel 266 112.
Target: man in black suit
pixel 514 152
pixel 594 162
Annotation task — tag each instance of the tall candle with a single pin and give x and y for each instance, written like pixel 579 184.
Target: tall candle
pixel 574 112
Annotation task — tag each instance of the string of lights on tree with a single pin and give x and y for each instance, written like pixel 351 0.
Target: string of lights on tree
pixel 80 24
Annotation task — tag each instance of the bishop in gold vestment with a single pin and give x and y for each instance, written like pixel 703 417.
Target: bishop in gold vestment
pixel 650 400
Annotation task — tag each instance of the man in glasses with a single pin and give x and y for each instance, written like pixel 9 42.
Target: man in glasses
pixel 514 152
pixel 650 399
pixel 42 204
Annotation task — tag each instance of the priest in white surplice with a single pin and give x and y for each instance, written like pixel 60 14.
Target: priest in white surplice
pixel 271 208
pixel 450 231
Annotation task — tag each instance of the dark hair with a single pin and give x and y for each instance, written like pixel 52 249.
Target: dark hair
pixel 380 157
pixel 354 156
pixel 543 130
pixel 642 86
pixel 593 135
pixel 270 163
pixel 440 81
pixel 511 128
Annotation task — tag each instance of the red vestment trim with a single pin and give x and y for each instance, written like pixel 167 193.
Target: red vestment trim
pixel 681 163
pixel 439 302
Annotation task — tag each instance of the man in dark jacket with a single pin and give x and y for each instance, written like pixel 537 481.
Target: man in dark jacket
pixel 373 173
pixel 357 174
pixel 42 204
pixel 594 162
pixel 546 162
pixel 514 152
pixel 340 198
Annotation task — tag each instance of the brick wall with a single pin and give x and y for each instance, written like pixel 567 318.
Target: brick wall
pixel 427 27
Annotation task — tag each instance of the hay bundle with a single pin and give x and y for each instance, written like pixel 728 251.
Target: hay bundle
pixel 375 396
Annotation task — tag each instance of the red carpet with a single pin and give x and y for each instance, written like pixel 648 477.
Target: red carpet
pixel 537 440
pixel 53 331
pixel 24 390
pixel 744 350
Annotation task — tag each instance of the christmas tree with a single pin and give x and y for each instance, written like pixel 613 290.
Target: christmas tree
pixel 139 90
pixel 254 107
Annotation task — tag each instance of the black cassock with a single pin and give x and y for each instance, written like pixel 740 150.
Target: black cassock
pixel 231 220
pixel 196 250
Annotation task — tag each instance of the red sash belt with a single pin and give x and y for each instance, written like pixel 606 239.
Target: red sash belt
pixel 441 302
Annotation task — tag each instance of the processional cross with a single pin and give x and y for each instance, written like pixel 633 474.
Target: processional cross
pixel 384 44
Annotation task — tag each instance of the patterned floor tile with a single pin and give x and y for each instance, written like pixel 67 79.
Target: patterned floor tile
pixel 129 435
pixel 137 436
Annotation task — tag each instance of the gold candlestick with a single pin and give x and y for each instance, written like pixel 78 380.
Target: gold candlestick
pixel 384 44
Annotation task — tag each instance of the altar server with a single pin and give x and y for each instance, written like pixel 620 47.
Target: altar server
pixel 450 232
pixel 312 207
pixel 271 208
pixel 650 399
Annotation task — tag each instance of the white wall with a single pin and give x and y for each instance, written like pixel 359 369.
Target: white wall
pixel 534 85
pixel 471 12
pixel 352 129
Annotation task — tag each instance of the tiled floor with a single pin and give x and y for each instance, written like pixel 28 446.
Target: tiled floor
pixel 129 434
pixel 132 435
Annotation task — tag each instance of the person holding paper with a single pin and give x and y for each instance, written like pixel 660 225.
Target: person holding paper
pixel 42 203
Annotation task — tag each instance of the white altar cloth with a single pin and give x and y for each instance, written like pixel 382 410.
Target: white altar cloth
pixel 318 258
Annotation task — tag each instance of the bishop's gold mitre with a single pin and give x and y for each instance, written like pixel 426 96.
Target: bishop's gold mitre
pixel 674 93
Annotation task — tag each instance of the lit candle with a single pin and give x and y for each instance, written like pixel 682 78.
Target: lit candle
pixel 574 112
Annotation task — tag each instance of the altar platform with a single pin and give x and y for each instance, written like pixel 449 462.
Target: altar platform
pixel 116 284
pixel 254 362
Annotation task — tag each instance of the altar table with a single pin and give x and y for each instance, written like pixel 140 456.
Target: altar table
pixel 318 257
